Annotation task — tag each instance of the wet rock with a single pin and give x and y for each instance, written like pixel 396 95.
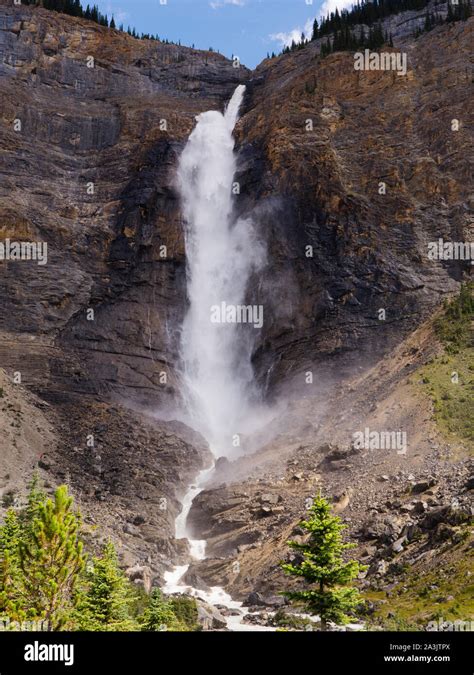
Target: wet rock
pixel 227 611
pixel 256 599
pixel 192 578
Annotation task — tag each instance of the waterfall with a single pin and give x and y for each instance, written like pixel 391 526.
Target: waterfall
pixel 221 254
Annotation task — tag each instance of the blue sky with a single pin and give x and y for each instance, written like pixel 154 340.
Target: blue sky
pixel 246 28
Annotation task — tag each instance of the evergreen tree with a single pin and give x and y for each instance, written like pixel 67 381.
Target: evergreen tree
pixel 36 497
pixel 43 575
pixel 11 596
pixel 462 10
pixel 428 22
pixel 106 597
pixel 53 559
pixel 450 17
pixel 326 48
pixel 159 614
pixel 465 10
pixel 112 22
pixel 78 11
pixel 322 567
pixel 186 612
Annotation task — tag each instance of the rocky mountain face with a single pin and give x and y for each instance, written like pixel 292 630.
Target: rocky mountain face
pixel 92 122
pixel 103 117
pixel 317 140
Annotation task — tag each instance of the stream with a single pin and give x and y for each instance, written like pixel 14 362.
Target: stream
pixel 216 595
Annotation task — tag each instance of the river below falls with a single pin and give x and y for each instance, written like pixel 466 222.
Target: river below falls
pixel 216 596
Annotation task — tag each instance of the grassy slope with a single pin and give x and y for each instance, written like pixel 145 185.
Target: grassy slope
pixel 445 588
pixel 450 377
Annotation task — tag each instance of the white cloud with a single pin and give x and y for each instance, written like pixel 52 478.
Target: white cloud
pixel 329 6
pixel 121 16
pixel 118 13
pixel 215 4
pixel 285 39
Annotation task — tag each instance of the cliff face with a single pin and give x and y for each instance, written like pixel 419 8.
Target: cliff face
pixel 90 170
pixel 317 140
pixel 91 173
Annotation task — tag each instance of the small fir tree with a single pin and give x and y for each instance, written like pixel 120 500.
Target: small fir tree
pixel 106 598
pixel 52 559
pixel 159 614
pixel 11 596
pixel 323 568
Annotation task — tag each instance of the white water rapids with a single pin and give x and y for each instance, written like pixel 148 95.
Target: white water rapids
pixel 221 254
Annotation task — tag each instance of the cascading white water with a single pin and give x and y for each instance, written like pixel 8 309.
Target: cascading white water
pixel 221 253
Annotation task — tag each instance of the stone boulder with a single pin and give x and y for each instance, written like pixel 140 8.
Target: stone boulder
pixel 141 576
pixel 209 617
